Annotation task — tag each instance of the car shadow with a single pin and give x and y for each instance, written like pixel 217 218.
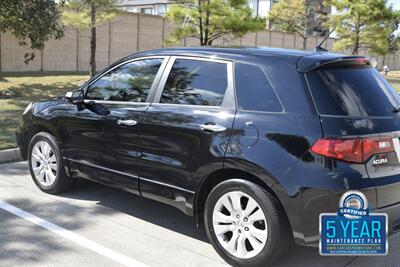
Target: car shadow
pixel 173 219
pixel 145 209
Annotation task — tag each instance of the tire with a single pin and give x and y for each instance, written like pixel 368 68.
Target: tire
pixel 46 165
pixel 273 228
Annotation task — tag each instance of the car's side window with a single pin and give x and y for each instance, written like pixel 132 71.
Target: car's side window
pixel 129 82
pixel 196 82
pixel 253 90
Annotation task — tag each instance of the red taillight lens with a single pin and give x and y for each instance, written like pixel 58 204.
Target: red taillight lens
pixel 372 146
pixel 341 149
pixel 352 150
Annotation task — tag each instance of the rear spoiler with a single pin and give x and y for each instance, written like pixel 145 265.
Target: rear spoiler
pixel 315 61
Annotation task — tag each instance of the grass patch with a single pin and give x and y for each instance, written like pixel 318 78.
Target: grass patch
pixel 394 78
pixel 17 90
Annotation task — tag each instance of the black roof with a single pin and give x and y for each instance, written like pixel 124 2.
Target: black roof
pixel 306 60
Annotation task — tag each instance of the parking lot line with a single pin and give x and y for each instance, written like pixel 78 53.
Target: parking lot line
pixel 84 242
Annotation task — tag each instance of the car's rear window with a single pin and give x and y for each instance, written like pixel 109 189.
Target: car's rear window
pixel 352 91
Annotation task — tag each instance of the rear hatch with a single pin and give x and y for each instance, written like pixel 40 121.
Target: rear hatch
pixel 355 102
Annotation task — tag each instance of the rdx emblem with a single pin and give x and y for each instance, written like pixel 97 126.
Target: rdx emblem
pixel 379 161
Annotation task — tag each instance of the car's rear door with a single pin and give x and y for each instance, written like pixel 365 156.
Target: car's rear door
pixel 185 131
pixel 105 147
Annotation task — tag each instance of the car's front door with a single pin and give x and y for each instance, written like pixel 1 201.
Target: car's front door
pixel 105 147
pixel 185 131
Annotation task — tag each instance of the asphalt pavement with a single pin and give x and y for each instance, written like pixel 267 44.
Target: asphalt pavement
pixel 94 225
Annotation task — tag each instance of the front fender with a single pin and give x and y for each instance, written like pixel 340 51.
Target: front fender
pixel 43 117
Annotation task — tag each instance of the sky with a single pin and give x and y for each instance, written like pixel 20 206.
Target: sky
pixel 395 3
pixel 396 6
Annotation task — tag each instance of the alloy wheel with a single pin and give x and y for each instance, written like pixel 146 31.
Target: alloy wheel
pixel 44 163
pixel 240 224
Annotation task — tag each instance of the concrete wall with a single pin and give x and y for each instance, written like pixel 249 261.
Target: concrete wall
pixel 130 33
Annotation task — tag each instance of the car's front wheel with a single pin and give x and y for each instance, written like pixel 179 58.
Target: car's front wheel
pixel 245 224
pixel 46 166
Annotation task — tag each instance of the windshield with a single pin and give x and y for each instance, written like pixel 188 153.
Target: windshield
pixel 352 91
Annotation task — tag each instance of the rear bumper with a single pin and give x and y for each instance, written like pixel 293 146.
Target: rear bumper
pixel 306 227
pixel 316 184
pixel 393 213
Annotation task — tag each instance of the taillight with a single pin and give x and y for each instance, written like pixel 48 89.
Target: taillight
pixel 372 146
pixel 352 150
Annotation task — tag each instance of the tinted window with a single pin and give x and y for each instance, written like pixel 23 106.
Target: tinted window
pixel 352 91
pixel 253 90
pixel 195 82
pixel 129 82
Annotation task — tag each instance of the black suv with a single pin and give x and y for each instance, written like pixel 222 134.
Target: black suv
pixel 255 142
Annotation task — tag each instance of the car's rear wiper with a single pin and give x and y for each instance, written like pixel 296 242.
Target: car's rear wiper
pixel 396 109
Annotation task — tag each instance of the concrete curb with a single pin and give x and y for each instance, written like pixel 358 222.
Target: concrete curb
pixel 10 155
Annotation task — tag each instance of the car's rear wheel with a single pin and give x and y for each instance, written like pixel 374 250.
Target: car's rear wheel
pixel 46 166
pixel 245 224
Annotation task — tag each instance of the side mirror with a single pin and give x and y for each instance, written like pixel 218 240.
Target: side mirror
pixel 75 97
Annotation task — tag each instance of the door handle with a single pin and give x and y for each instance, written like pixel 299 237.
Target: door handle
pixel 127 122
pixel 212 128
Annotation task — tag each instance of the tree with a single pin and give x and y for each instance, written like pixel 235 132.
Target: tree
pixel 297 16
pixel 384 40
pixel 208 20
pixel 88 14
pixel 363 23
pixel 32 22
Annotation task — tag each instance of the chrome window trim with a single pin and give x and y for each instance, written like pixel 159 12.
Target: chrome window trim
pixel 155 104
pixel 165 60
pixel 163 80
pixel 110 102
pixel 228 100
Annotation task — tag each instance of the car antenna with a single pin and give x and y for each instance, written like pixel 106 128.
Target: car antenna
pixel 318 48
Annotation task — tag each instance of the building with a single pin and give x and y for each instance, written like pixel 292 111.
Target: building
pixel 261 7
pixel 152 7
pixel 159 7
